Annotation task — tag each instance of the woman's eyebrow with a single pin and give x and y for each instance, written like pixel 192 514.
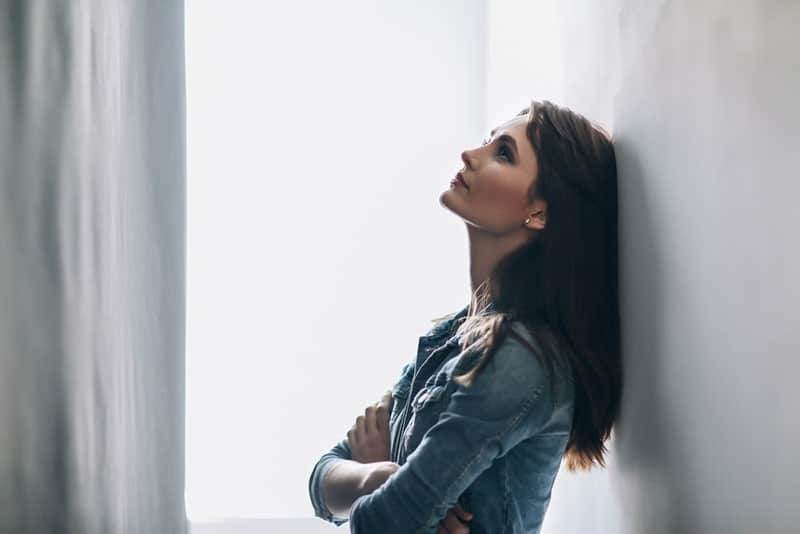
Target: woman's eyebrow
pixel 510 140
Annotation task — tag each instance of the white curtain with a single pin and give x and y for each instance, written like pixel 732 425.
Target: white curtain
pixel 92 234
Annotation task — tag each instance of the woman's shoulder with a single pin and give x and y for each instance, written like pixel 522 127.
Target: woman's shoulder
pixel 527 340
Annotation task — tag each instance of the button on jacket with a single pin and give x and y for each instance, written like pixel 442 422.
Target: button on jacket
pixel 494 447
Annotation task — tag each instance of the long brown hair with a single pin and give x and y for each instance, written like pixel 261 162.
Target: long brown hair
pixel 563 284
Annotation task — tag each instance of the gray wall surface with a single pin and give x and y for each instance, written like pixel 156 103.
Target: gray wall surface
pixel 707 115
pixel 702 99
pixel 92 236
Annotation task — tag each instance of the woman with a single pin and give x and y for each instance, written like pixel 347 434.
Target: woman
pixel 529 373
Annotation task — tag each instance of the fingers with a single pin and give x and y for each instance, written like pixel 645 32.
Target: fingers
pixel 463 514
pixel 361 426
pixel 376 416
pixel 385 408
pixel 374 421
pixel 387 397
pixel 353 435
pixel 387 400
pixel 372 418
pixel 452 524
pixel 358 432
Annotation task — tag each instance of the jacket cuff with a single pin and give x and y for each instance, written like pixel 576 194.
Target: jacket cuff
pixel 315 492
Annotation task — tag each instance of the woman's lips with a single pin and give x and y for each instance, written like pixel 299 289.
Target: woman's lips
pixel 459 179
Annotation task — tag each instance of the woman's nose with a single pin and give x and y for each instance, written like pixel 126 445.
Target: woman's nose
pixel 467 159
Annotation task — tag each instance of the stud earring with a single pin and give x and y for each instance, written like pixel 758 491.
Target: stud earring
pixel 527 220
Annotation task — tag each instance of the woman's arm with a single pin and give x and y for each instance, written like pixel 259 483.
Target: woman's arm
pixel 368 466
pixel 506 404
pixel 332 492
pixel 348 480
pixel 337 480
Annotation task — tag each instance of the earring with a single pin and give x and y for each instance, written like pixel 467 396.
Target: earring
pixel 527 220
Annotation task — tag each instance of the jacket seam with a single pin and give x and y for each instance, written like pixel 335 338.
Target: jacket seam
pixel 505 497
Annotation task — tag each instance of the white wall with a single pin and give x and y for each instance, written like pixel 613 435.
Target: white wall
pixel 701 97
pixel 524 58
pixel 320 136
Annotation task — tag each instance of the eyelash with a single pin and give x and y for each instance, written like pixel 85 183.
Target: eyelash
pixel 503 147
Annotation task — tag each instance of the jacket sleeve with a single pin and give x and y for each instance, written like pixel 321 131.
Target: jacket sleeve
pixel 340 451
pixel 506 403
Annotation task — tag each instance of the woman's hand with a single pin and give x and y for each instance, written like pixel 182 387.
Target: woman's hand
pixel 452 524
pixel 369 437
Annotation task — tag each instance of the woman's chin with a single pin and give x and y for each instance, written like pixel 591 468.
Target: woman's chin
pixel 446 199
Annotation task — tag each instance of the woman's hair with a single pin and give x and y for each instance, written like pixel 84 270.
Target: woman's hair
pixel 562 284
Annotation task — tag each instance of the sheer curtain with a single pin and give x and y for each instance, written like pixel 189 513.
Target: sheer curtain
pixel 92 239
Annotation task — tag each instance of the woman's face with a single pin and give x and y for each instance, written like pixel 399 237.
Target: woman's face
pixel 498 175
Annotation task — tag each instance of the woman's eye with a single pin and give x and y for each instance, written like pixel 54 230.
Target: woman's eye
pixel 504 150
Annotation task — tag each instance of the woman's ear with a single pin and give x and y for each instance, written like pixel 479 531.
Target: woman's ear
pixel 538 216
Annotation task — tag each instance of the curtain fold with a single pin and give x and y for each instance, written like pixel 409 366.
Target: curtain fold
pixel 92 263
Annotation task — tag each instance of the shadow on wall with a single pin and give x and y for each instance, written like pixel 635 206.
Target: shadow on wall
pixel 644 451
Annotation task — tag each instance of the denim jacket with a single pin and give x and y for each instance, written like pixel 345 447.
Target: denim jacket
pixel 494 447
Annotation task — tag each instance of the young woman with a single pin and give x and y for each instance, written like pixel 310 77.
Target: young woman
pixel 529 373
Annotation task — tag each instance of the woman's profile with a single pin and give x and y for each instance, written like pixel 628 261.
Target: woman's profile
pixel 527 375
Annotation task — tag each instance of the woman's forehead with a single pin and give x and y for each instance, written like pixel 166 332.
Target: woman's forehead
pixel 516 125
